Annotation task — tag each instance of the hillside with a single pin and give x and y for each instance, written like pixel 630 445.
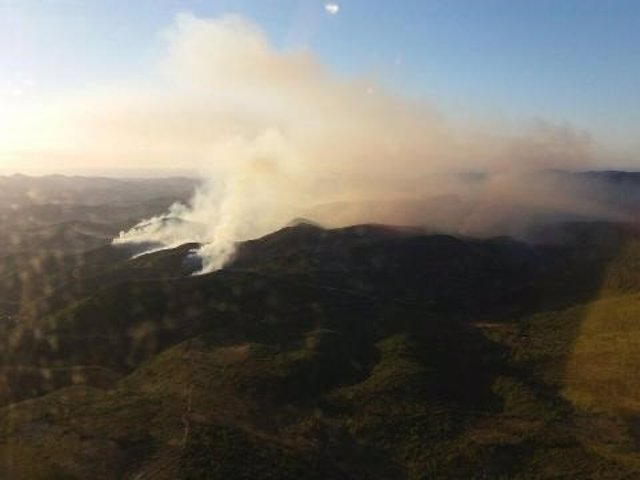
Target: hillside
pixel 364 352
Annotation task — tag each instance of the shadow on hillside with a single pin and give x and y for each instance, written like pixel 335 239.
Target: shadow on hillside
pixel 585 353
pixel 604 357
pixel 496 339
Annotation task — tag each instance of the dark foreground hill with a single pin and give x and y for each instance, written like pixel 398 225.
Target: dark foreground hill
pixel 363 352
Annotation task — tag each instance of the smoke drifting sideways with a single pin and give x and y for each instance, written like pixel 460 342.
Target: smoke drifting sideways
pixel 283 138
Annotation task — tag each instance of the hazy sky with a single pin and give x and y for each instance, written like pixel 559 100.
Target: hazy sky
pixel 569 62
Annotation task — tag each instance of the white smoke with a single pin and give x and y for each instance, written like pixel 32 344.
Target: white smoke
pixel 281 137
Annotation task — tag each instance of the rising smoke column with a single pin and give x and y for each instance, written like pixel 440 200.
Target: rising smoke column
pixel 279 136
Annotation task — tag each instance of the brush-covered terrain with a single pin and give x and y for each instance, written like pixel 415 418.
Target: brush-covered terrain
pixel 365 352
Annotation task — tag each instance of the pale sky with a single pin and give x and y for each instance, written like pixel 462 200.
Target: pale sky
pixel 100 86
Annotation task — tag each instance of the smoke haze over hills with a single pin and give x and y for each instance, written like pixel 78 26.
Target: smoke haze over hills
pixel 279 136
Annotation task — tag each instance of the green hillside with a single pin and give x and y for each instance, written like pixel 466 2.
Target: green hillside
pixel 361 353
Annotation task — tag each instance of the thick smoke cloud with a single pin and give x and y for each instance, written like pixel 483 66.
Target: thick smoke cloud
pixel 281 137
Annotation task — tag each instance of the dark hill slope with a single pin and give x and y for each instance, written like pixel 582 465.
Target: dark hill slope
pixel 366 352
pixel 470 277
pixel 445 401
pixel 136 307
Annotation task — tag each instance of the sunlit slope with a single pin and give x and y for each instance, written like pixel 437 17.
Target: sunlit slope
pixel 576 369
pixel 591 351
pixel 602 370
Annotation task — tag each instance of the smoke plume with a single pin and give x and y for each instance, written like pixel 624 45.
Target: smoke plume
pixel 278 136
